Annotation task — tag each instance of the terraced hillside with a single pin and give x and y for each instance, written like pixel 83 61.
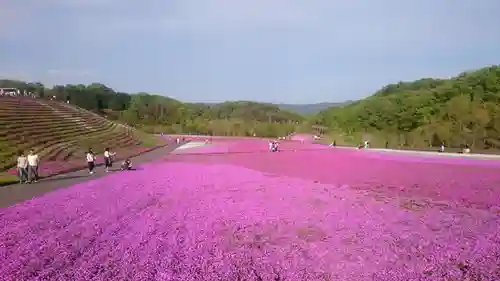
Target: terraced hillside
pixel 61 133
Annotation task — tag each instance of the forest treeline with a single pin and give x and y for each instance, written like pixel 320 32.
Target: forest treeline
pixel 462 110
pixel 160 114
pixel 458 111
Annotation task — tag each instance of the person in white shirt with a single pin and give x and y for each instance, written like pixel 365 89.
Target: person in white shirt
pixel 466 149
pixel 90 161
pixel 108 159
pixel 22 167
pixel 33 162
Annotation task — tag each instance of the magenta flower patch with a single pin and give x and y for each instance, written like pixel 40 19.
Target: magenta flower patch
pixel 302 214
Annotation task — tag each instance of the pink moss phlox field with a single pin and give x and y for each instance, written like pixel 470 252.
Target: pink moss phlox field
pixel 301 214
pixel 475 184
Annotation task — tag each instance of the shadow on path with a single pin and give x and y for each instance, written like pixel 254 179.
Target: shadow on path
pixel 63 177
pixel 12 194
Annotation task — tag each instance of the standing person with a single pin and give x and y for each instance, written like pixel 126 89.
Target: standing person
pixel 108 159
pixel 33 162
pixel 22 167
pixel 90 161
pixel 441 148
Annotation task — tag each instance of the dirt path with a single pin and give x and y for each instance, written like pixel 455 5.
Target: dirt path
pixel 12 194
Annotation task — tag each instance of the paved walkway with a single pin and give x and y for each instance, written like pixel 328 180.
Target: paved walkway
pixel 12 194
pixel 441 154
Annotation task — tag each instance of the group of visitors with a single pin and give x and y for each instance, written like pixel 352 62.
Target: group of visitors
pixel 273 146
pixel 108 161
pixel 14 92
pixel 465 148
pixel 27 167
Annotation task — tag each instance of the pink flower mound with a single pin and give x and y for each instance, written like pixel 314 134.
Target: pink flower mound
pixel 224 222
pixel 471 185
pixel 310 214
pixel 256 147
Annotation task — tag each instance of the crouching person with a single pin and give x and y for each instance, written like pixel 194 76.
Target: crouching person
pixel 126 165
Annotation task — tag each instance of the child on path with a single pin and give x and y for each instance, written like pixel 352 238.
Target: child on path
pixel 22 167
pixel 90 161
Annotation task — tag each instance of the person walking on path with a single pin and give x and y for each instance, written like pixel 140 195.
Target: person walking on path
pixel 22 167
pixel 90 161
pixel 108 159
pixel 33 162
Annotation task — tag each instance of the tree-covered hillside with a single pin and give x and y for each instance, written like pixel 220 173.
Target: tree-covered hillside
pixel 427 112
pixel 458 111
pixel 157 114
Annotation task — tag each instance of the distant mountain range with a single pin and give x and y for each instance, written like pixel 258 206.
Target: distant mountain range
pixel 304 109
pixel 312 108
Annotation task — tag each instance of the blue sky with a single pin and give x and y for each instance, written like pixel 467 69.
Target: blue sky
pixel 267 50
